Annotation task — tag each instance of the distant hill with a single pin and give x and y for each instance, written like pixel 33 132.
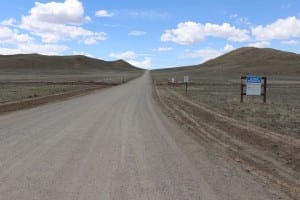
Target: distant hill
pixel 249 60
pixel 63 64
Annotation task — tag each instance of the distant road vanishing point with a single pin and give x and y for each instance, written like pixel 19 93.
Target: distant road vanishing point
pixel 111 144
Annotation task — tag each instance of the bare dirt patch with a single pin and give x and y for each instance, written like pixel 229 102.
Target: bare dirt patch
pixel 267 154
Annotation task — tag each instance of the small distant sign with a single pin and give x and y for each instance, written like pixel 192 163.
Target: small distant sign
pixel 173 80
pixel 253 85
pixel 186 79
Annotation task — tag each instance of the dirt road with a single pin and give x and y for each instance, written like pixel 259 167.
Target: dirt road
pixel 114 144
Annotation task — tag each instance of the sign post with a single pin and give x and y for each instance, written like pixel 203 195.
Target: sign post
pixel 254 86
pixel 186 80
pixel 173 81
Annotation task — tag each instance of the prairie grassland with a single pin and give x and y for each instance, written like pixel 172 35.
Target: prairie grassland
pixel 280 113
pixel 19 86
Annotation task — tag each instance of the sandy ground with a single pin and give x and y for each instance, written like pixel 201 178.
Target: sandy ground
pixel 115 144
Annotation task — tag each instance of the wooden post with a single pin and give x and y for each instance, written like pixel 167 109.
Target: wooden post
pixel 265 89
pixel 186 87
pixel 242 88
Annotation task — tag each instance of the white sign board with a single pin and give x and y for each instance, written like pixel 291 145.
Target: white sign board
pixel 253 85
pixel 186 79
pixel 173 80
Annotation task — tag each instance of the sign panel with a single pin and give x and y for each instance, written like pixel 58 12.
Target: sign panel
pixel 186 79
pixel 253 85
pixel 173 80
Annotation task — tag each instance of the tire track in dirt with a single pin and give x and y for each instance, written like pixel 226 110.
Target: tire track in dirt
pixel 262 152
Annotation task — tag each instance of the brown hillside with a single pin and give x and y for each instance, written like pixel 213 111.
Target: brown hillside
pixel 248 60
pixel 67 64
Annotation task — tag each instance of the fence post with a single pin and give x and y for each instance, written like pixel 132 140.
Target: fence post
pixel 265 89
pixel 242 89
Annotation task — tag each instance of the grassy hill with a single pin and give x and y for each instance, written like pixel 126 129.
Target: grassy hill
pixel 35 66
pixel 243 61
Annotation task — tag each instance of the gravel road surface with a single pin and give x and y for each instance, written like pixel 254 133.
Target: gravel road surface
pixel 113 144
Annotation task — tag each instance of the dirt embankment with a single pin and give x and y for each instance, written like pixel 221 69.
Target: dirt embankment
pixel 266 154
pixel 34 102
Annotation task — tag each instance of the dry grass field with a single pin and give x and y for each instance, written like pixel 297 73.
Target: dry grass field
pixel 30 76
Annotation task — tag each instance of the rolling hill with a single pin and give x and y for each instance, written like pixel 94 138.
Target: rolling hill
pixel 69 63
pixel 76 68
pixel 248 60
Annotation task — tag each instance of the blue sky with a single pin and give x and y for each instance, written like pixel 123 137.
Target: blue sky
pixel 148 34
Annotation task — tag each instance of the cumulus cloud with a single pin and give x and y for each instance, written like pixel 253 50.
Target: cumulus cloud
pixel 260 44
pixel 192 32
pixel 48 49
pixel 124 55
pixel 54 22
pixel 103 13
pixel 83 53
pixel 136 33
pixel 9 36
pixel 8 22
pixel 144 63
pixel 133 58
pixel 281 29
pixel 204 54
pixel 228 48
pixel 209 53
pixel 68 12
pixel 165 49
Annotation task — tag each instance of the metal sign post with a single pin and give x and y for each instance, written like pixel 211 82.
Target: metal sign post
pixel 186 80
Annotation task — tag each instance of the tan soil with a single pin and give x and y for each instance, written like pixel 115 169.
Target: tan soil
pixel 266 154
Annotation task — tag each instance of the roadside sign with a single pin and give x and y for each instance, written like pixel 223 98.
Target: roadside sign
pixel 186 79
pixel 253 85
pixel 173 80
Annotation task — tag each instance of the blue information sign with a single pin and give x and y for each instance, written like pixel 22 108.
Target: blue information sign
pixel 253 85
pixel 253 79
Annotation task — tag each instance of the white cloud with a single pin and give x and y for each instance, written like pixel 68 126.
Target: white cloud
pixel 8 22
pixel 146 14
pixel 165 49
pixel 54 22
pixel 233 16
pixel 228 48
pixel 83 53
pixel 186 33
pixel 133 58
pixel 260 44
pixel 13 37
pixel 103 13
pixel 192 32
pixel 290 42
pixel 281 29
pixel 68 12
pixel 48 49
pixel 145 63
pixel 209 53
pixel 226 31
pixel 127 55
pixel 136 33
pixel 204 54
